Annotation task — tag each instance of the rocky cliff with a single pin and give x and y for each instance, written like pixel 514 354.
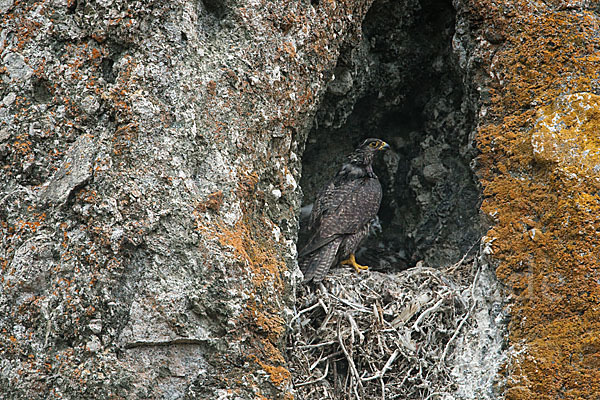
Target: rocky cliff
pixel 155 157
pixel 151 159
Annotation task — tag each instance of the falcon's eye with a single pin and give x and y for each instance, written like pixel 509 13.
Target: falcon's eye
pixel 373 144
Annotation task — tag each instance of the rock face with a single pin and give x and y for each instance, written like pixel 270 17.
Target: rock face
pixel 152 155
pixel 150 159
pixel 535 67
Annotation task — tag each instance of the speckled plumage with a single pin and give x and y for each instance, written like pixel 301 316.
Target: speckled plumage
pixel 342 213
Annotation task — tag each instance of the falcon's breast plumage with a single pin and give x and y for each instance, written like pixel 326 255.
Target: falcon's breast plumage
pixel 342 214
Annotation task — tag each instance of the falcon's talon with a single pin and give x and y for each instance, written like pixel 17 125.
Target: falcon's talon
pixel 352 261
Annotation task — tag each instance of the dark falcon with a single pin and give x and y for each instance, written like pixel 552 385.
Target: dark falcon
pixel 342 214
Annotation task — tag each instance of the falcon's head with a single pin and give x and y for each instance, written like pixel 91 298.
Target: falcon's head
pixel 366 151
pixel 374 145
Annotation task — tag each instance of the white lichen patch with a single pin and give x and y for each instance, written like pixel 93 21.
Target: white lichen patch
pixel 290 181
pixel 16 67
pixel 276 233
pixel 566 133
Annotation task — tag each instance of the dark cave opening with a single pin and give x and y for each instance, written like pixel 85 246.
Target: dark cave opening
pixel 402 83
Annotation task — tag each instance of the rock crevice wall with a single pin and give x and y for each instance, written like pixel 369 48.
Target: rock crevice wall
pixel 535 68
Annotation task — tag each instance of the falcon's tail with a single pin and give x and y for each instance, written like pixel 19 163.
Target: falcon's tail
pixel 317 263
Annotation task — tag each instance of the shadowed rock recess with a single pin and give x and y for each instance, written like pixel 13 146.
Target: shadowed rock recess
pixel 401 82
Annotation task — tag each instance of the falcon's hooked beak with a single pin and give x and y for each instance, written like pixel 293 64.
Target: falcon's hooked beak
pixel 383 146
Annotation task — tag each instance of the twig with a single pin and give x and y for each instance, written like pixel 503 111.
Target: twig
pixel 314 365
pixel 316 380
pixel 397 358
pixel 304 311
pixel 326 321
pixel 467 315
pixel 387 366
pixel 356 392
pixel 425 313
pixel 314 346
pixel 361 337
pixel 348 357
pixel 435 394
pixel 455 266
pixel 355 306
pixel 324 306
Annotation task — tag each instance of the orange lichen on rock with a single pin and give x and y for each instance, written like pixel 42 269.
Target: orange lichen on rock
pixel 214 202
pixel 251 242
pixel 260 261
pixel 539 167
pixel 278 374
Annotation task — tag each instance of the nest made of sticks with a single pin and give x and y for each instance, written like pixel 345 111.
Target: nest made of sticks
pixel 380 336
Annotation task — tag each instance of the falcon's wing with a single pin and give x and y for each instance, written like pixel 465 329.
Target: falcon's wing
pixel 342 208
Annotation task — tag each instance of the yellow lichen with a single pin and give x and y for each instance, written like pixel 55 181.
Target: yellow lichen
pixel 538 165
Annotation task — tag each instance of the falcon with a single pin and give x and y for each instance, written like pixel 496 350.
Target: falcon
pixel 342 214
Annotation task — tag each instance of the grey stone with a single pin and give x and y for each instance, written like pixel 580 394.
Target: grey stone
pixel 9 99
pixel 95 326
pixel 16 67
pixel 74 171
pixel 90 104
pixel 434 172
pixel 5 5
pixel 94 344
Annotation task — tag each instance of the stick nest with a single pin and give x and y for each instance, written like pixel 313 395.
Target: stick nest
pixel 380 336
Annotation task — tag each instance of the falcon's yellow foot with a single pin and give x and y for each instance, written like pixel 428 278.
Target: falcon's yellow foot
pixel 352 261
